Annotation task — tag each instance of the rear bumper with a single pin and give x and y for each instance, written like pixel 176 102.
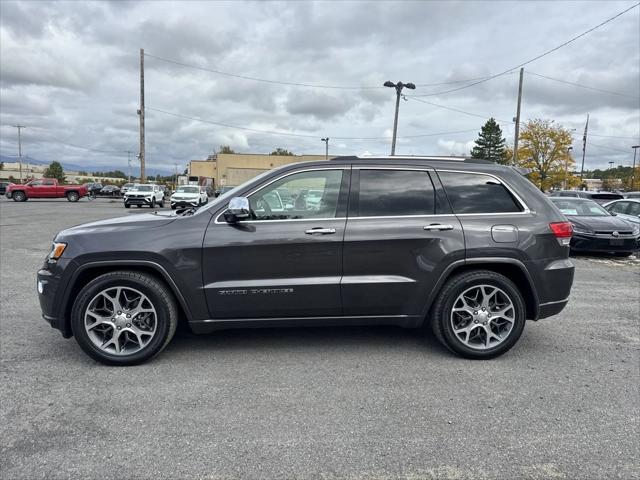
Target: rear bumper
pixel 553 279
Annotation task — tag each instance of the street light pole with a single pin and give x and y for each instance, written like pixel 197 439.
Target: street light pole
pixel 20 127
pixel 326 147
pixel 633 170
pixel 566 166
pixel 398 86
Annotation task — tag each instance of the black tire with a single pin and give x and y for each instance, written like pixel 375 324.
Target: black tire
pixel 73 196
pixel 161 203
pixel 441 312
pixel 126 205
pixel 139 206
pixel 159 295
pixel 19 196
pixel 153 203
pixel 173 207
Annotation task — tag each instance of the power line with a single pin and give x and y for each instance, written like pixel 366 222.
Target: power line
pixel 300 135
pixel 413 97
pixel 614 136
pixel 509 70
pixel 583 86
pixel 300 84
pixel 609 148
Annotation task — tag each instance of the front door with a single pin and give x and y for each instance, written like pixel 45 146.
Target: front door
pixel 400 237
pixel 286 260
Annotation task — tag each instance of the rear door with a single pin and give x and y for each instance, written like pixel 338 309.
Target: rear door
pixel 286 261
pixel 400 236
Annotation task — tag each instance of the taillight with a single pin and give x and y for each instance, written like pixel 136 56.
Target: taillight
pixel 561 229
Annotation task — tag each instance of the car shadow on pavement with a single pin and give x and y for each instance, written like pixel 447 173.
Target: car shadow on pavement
pixel 313 338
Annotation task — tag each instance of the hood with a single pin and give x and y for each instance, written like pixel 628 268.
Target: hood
pixel 121 224
pixel 600 223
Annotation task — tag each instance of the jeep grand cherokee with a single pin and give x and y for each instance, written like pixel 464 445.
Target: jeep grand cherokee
pixel 470 248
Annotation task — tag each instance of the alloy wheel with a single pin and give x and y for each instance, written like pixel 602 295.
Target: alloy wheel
pixel 483 317
pixel 120 320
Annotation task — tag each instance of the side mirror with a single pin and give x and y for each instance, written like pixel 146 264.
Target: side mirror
pixel 238 209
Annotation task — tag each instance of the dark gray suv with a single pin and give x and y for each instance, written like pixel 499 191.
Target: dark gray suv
pixel 471 248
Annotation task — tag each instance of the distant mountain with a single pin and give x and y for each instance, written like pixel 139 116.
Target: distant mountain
pixel 73 167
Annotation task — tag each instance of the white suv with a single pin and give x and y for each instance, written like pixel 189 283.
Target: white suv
pixel 144 194
pixel 189 196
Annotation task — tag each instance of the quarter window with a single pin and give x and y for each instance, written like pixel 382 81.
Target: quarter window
pixel 312 194
pixel 478 193
pixel 619 207
pixel 395 193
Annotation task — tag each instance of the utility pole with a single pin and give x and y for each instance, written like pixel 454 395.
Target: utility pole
pixel 141 113
pixel 129 164
pixel 517 119
pixel 633 170
pixel 326 147
pixel 584 146
pixel 398 86
pixel 20 127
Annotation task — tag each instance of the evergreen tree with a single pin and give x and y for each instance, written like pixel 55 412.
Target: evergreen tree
pixel 490 144
pixel 282 151
pixel 55 170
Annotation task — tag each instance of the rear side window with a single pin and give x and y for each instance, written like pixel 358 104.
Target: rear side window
pixel 478 193
pixel 395 193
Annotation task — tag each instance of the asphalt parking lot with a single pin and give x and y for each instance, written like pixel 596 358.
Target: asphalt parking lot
pixel 356 403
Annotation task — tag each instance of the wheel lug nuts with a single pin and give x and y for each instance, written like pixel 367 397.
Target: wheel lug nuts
pixel 119 328
pixel 475 321
pixel 484 323
pixel 128 315
pixel 128 325
pixel 475 313
pixel 483 309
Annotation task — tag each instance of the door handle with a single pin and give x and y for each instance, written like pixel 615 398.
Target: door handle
pixel 438 226
pixel 320 230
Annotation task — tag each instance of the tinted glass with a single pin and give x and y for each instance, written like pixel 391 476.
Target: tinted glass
pixel 618 207
pixel 477 193
pixel 395 193
pixel 312 194
pixel 634 209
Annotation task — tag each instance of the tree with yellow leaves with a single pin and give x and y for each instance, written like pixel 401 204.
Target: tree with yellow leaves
pixel 544 150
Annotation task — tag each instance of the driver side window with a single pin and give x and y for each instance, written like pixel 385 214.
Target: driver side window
pixel 311 194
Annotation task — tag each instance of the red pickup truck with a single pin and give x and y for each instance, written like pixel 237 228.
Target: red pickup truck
pixel 45 188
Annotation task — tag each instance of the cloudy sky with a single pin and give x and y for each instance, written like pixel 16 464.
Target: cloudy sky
pixel 69 72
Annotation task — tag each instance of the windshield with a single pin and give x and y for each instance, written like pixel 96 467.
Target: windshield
pixel 580 208
pixel 143 188
pixel 188 190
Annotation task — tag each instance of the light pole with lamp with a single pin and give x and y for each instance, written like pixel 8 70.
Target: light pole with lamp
pixel 398 86
pixel 326 147
pixel 566 166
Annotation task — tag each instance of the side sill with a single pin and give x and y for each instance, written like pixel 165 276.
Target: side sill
pixel 211 325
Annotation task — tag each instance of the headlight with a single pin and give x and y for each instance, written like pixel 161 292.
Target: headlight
pixel 56 250
pixel 636 230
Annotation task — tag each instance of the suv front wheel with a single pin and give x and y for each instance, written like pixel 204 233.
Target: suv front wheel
pixel 124 318
pixel 479 314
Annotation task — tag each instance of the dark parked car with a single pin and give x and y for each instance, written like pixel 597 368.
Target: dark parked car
pixel 94 188
pixel 597 230
pixel 110 190
pixel 468 247
pixel 598 197
pixel 632 195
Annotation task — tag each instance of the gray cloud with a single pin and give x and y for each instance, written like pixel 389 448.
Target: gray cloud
pixel 69 70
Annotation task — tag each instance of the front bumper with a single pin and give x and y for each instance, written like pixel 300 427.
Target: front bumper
pixel 48 286
pixel 184 203
pixel 600 243
pixel 138 200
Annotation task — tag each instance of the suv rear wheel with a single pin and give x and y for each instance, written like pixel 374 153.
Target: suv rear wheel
pixel 19 196
pixel 479 314
pixel 124 318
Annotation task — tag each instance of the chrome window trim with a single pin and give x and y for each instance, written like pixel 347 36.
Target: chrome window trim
pixel 287 174
pixel 526 210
